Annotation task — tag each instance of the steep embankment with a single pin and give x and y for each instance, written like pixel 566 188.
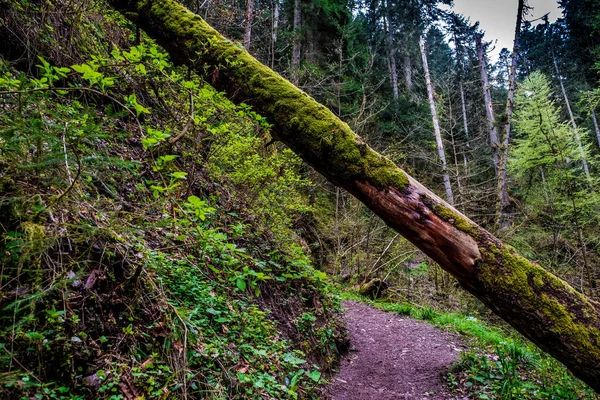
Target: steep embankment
pixel 146 247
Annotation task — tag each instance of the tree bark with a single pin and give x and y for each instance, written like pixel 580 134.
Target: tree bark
pixel 595 121
pixel 544 308
pixel 436 124
pixel 463 106
pixel 489 107
pixel 459 185
pixel 274 31
pixel 391 51
pixel 408 75
pixel 503 214
pixel 296 39
pixel 248 24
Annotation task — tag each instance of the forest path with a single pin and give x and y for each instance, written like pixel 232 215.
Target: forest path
pixel 393 357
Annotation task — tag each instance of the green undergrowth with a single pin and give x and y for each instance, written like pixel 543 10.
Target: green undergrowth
pixel 146 236
pixel 498 364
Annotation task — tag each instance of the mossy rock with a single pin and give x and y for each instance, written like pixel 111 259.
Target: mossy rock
pixel 373 289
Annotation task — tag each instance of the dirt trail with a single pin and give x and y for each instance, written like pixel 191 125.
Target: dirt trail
pixel 392 357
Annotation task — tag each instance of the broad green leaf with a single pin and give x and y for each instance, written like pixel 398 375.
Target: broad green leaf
pixel 241 284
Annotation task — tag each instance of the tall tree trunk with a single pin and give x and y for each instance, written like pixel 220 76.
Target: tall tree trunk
pixel 489 106
pixel 542 307
pixel 296 42
pixel 274 31
pixel 586 169
pixel 459 72
pixel 338 247
pixel 408 74
pixel 389 39
pixel 586 265
pixel 503 213
pixel 248 24
pixel 436 124
pixel 459 185
pixel 463 106
pixel 595 121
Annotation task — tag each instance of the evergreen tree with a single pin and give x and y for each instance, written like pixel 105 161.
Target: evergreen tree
pixel 581 21
pixel 546 164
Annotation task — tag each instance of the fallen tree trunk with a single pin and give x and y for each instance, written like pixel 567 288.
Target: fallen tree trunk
pixel 544 308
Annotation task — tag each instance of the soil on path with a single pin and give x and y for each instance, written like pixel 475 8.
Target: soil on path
pixel 392 357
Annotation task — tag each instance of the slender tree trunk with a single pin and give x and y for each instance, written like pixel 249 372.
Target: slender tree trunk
pixel 274 31
pixel 595 121
pixel 586 265
pixel 297 37
pixel 542 307
pixel 586 169
pixel 545 186
pixel 391 51
pixel 489 106
pixel 562 163
pixel 436 124
pixel 459 186
pixel 248 25
pixel 459 73
pixel 338 237
pixel 463 105
pixel 503 213
pixel 408 74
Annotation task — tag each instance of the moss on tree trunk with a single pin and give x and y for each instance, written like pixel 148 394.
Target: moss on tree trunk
pixel 544 308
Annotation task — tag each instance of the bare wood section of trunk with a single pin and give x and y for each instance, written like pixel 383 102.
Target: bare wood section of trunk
pixel 436 124
pixel 544 308
pixel 489 106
